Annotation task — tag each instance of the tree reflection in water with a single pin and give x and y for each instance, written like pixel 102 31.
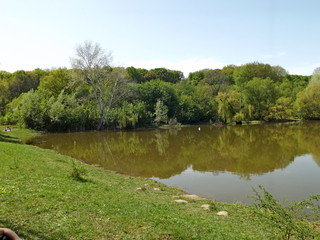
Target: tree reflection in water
pixel 242 150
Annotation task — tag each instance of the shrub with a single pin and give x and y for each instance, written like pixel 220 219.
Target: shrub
pixel 291 220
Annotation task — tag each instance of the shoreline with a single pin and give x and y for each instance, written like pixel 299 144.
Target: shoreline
pixel 45 194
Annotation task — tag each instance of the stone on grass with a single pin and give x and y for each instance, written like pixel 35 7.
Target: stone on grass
pixel 156 189
pixel 222 213
pixel 180 201
pixel 193 197
pixel 205 206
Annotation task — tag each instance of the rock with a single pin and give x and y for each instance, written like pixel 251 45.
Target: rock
pixel 222 213
pixel 193 197
pixel 180 201
pixel 205 206
pixel 156 189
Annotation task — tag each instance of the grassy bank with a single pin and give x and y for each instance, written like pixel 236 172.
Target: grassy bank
pixel 44 195
pixel 16 134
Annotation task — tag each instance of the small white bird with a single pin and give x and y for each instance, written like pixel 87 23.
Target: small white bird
pixel 199 128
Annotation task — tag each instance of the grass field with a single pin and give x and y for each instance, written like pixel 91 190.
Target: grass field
pixel 44 195
pixel 16 134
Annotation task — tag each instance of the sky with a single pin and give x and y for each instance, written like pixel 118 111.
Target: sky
pixel 184 35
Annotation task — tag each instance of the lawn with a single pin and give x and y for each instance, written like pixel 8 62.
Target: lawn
pixel 16 134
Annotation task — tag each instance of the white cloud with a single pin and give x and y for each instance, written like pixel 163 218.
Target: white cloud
pixel 186 66
pixel 306 69
pixel 267 56
pixel 275 55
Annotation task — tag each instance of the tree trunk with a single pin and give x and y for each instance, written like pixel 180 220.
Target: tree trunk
pixel 101 125
pixel 101 120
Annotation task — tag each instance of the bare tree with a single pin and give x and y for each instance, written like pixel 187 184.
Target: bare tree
pixel 92 65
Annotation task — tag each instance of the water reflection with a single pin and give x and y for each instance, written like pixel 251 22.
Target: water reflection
pixel 245 151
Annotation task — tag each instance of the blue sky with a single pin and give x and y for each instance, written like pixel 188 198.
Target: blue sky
pixel 182 35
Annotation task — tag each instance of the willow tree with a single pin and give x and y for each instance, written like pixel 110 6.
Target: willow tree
pixel 229 105
pixel 92 67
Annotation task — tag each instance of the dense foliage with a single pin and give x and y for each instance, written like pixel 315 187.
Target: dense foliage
pixel 65 99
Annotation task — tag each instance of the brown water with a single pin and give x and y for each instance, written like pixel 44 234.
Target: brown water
pixel 222 163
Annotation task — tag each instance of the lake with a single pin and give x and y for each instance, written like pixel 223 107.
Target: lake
pixel 222 163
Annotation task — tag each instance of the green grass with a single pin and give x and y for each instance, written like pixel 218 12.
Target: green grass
pixel 16 135
pixel 40 198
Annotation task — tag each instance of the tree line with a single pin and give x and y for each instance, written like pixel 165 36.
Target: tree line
pixel 95 95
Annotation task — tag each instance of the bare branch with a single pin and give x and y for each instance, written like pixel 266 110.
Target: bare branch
pixel 93 65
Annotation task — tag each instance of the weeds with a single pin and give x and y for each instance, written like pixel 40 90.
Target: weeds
pixel 78 172
pixel 213 207
pixel 292 221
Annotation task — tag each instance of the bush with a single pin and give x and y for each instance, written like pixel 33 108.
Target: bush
pixel 128 115
pixel 291 220
pixel 78 172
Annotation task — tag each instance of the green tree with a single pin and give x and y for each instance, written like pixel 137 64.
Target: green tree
pixel 22 81
pixel 151 75
pixel 4 94
pixel 228 71
pixel 205 102
pixel 168 75
pixel 281 110
pixel 247 72
pixel 56 81
pixel 34 110
pixel 13 114
pixel 154 90
pixel 195 77
pixel 161 113
pixel 308 101
pixel 65 113
pixel 316 76
pixel 137 74
pixel 278 73
pixel 129 115
pixel 196 103
pixel 217 80
pixel 229 104
pixel 261 94
pixel 188 110
pixel 14 84
pixel 291 85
